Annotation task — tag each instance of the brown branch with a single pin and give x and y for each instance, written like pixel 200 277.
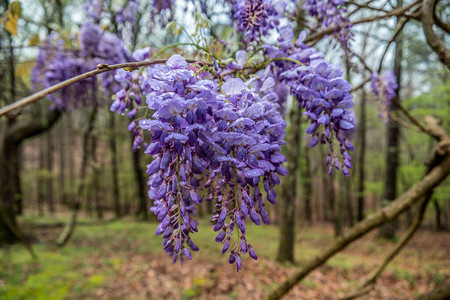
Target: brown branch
pixel 437 174
pixel 396 12
pixel 101 68
pixel 427 18
pixel 370 282
pixel 440 23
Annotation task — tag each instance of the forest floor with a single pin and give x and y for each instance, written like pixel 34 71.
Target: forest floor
pixel 124 260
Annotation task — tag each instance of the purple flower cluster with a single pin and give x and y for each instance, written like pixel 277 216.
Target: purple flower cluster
pixel 58 61
pixel 257 17
pixel 93 10
pixel 325 96
pixel 251 131
pixel 385 89
pixel 321 92
pixel 329 13
pixel 226 134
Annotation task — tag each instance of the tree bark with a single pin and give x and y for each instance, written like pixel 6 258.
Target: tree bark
pixel 15 134
pixel 138 173
pixel 288 192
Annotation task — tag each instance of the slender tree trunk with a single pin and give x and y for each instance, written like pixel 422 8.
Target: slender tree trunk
pixel 437 211
pixel 62 164
pixel 393 138
pixel 73 144
pixel 96 178
pixel 307 186
pixel 362 156
pixel 349 202
pixel 339 209
pixel 7 174
pixel 40 179
pixel 142 211
pixel 115 178
pixel 49 179
pixel 288 192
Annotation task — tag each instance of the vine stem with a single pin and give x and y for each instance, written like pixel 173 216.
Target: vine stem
pixel 101 68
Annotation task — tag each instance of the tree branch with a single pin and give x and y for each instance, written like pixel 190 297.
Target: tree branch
pixel 101 68
pixel 370 282
pixel 396 12
pixel 427 18
pixel 437 174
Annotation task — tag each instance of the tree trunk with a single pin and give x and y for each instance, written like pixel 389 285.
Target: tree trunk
pixel 288 192
pixel 115 179
pixel 40 179
pixel 16 132
pixel 62 164
pixel 393 138
pixel 437 211
pixel 49 178
pixel 307 186
pixel 7 174
pixel 362 156
pixel 96 178
pixel 142 211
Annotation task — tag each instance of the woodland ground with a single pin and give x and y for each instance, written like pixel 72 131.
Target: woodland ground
pixel 124 260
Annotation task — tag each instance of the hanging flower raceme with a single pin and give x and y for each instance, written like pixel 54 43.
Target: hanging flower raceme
pixel 329 13
pixel 325 96
pixel 251 132
pixel 385 89
pixel 257 17
pixel 181 150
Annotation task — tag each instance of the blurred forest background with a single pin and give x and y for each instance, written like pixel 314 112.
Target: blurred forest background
pixel 114 253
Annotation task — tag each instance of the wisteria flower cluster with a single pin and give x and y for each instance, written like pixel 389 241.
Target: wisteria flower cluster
pixel 329 13
pixel 217 141
pixel 385 89
pixel 58 61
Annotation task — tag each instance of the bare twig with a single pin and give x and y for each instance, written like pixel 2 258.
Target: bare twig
pixel 401 23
